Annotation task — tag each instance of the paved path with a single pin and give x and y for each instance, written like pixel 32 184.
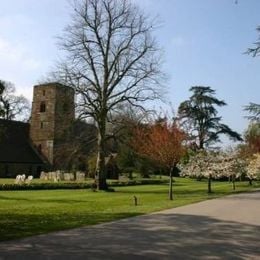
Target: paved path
pixel 225 228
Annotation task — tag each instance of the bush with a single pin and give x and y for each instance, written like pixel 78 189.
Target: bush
pixel 45 186
pixel 72 185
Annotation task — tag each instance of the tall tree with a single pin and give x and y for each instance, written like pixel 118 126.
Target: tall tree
pixel 111 59
pixel 253 169
pixel 252 137
pixel 162 142
pixel 254 111
pixel 252 133
pixel 200 114
pixel 255 51
pixel 11 105
pixel 2 87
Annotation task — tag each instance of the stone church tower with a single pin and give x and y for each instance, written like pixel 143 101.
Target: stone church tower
pixel 52 113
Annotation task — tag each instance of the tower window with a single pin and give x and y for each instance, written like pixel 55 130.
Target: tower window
pixel 42 107
pixel 65 107
pixel 41 125
pixel 39 147
pixel 43 92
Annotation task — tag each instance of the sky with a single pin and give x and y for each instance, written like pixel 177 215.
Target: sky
pixel 203 43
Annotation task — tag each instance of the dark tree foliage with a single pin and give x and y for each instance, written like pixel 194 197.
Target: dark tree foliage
pixel 254 112
pixel 75 146
pixel 199 116
pixel 252 137
pixel 2 87
pixel 255 51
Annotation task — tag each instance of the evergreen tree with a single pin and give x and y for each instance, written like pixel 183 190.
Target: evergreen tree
pixel 199 114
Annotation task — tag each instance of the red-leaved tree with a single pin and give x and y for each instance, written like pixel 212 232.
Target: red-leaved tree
pixel 163 142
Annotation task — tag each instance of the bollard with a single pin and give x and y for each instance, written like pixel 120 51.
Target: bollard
pixel 135 200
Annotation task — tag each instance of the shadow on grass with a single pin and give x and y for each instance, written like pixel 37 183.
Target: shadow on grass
pixel 159 236
pixel 13 198
pixel 14 226
pixel 63 201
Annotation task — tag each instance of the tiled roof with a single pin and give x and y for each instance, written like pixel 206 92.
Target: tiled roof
pixel 15 145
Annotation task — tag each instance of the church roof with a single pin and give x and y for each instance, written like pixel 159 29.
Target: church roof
pixel 15 145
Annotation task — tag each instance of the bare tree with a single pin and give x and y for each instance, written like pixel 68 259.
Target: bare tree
pixel 12 106
pixel 111 59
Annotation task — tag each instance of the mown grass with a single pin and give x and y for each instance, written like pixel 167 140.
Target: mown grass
pixel 26 213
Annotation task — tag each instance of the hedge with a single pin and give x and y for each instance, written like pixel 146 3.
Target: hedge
pixel 72 185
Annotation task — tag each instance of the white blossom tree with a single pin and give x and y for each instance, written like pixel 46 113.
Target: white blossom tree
pixel 214 165
pixel 253 168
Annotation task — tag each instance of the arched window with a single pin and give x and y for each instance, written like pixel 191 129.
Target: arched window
pixel 42 107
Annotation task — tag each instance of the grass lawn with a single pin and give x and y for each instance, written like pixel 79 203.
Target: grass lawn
pixel 26 213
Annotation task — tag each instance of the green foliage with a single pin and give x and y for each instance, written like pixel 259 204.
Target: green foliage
pixel 252 137
pixel 199 114
pixel 92 165
pixel 75 146
pixel 2 87
pixel 255 51
pixel 126 159
pixel 76 185
pixel 44 186
pixel 254 110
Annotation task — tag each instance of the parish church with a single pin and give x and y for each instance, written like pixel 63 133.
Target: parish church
pixel 29 148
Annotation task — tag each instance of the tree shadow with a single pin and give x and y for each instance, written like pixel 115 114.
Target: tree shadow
pixel 13 226
pixel 156 236
pixel 49 200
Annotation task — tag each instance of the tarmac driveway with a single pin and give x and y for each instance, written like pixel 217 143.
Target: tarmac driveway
pixel 225 228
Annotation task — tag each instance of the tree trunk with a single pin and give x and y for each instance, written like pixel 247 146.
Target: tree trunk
pixel 250 182
pixel 234 182
pixel 100 165
pixel 170 184
pixel 209 184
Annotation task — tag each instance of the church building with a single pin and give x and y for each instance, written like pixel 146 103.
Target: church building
pixel 28 148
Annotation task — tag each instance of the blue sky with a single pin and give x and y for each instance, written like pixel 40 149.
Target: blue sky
pixel 203 43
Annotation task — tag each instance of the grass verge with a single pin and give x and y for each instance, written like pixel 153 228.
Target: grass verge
pixel 27 213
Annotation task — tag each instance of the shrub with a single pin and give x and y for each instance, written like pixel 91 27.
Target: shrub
pixel 76 185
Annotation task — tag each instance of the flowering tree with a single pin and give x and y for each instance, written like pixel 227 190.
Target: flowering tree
pixel 161 142
pixel 253 168
pixel 231 166
pixel 199 166
pixel 212 165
